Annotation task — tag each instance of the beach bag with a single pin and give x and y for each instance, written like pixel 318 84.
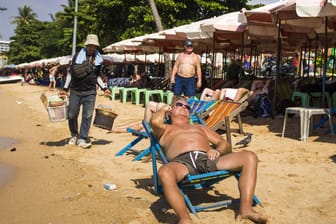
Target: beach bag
pixel 81 70
pixel 263 106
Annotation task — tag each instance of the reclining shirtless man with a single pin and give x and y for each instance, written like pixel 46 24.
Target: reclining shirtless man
pixel 187 148
pixel 230 94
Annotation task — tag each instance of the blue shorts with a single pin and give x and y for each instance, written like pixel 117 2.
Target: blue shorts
pixel 187 86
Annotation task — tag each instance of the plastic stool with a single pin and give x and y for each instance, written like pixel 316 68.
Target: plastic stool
pixel 124 92
pixel 113 90
pixel 309 119
pixel 304 98
pixel 168 97
pixel 150 93
pixel 135 95
pixel 298 111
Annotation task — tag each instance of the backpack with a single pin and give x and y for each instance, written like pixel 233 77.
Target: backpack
pixel 263 106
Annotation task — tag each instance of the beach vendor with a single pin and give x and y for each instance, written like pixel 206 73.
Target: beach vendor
pixel 83 76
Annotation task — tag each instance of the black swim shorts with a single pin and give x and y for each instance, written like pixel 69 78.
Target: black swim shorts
pixel 197 162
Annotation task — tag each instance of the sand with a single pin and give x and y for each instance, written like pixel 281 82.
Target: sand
pixel 44 180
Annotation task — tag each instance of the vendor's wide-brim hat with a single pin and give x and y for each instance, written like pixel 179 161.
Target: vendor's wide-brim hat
pixel 92 39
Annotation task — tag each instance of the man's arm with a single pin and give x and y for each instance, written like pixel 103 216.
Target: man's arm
pixel 157 121
pixel 199 72
pixel 221 145
pixel 174 71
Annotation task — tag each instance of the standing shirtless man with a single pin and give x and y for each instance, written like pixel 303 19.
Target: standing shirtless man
pixel 188 151
pixel 186 67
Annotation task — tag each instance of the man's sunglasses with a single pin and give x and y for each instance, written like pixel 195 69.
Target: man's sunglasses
pixel 186 106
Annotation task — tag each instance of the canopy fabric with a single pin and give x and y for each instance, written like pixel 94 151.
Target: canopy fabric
pixel 133 58
pixel 231 22
pixel 134 45
pixel 315 8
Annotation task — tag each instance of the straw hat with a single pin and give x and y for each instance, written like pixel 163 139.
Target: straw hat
pixel 92 39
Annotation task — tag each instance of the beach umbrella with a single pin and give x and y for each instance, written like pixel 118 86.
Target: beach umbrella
pixel 193 31
pixel 133 45
pixel 227 31
pixel 175 37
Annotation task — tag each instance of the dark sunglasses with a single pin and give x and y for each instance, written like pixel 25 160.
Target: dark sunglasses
pixel 186 106
pixel 189 46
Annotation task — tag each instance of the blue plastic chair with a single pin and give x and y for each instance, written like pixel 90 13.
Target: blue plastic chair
pixel 198 107
pixel 191 181
pixel 140 136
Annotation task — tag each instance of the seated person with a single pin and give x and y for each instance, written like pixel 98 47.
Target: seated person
pixel 258 87
pixel 234 95
pixel 210 94
pixel 224 94
pixel 137 80
pixel 179 141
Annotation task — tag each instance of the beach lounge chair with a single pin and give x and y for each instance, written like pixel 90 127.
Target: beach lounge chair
pixel 199 181
pixel 140 136
pixel 219 116
pixel 198 107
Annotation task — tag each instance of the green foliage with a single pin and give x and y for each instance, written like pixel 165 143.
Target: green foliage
pixel 25 45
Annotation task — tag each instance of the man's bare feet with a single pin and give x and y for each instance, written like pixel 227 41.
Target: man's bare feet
pixel 254 217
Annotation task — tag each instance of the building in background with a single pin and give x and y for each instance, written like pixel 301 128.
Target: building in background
pixel 4 49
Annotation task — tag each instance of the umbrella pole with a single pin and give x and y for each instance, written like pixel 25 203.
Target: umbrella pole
pixel 242 55
pixel 213 58
pixel 224 63
pixel 277 68
pixel 256 61
pixel 304 60
pixel 334 63
pixel 315 59
pixel 309 49
pixel 325 60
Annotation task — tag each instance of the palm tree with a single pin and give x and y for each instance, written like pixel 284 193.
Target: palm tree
pixel 26 15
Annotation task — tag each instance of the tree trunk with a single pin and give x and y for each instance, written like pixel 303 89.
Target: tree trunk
pixel 168 64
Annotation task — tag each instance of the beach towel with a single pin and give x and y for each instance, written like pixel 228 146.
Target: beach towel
pixel 81 57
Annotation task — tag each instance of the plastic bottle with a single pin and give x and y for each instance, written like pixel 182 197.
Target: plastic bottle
pixel 110 186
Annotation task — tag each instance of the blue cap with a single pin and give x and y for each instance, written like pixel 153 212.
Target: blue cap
pixel 188 43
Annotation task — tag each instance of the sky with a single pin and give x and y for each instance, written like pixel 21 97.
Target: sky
pixel 43 8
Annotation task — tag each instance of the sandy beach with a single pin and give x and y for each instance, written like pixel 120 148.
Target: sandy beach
pixel 44 180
